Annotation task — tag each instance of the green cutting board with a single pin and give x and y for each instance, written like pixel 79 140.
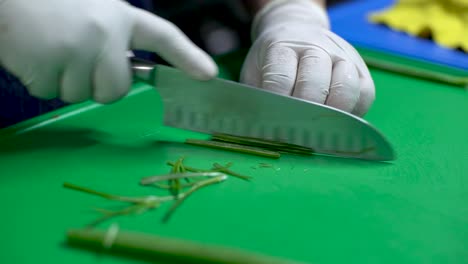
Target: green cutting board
pixel 313 209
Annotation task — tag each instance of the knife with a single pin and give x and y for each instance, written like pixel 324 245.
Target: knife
pixel 222 106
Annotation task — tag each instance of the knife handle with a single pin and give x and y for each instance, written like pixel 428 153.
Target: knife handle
pixel 143 70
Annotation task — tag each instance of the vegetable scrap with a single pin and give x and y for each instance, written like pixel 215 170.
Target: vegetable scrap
pixel 195 179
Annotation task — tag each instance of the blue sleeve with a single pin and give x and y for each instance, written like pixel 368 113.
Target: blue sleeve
pixel 17 105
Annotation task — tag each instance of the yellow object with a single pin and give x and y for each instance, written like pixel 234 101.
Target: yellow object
pixel 445 20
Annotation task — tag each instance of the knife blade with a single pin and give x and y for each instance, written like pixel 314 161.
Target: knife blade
pixel 222 106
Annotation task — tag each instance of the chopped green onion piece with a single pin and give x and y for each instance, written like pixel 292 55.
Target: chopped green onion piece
pixel 174 182
pixel 217 168
pixel 152 179
pixel 167 187
pixel 132 209
pixel 106 195
pixel 191 169
pixel 138 204
pixel 195 187
pixel 262 143
pixel 234 147
pixel 226 170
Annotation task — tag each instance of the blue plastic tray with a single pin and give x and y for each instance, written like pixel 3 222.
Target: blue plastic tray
pixel 349 20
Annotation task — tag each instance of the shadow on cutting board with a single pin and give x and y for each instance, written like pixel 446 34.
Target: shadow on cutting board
pixel 71 139
pixel 63 138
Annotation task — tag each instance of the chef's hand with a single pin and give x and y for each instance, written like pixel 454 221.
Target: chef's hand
pixel 76 49
pixel 295 53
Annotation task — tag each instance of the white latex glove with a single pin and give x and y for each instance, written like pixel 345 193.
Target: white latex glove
pixel 295 53
pixel 76 49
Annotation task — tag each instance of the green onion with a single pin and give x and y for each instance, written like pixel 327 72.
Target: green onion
pixel 265 165
pixel 175 183
pixel 217 168
pixel 153 248
pixel 153 179
pixel 137 204
pixel 133 209
pixel 178 172
pixel 234 147
pixel 168 187
pixel 262 143
pixel 226 170
pixel 187 168
pixel 111 196
pixel 197 185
